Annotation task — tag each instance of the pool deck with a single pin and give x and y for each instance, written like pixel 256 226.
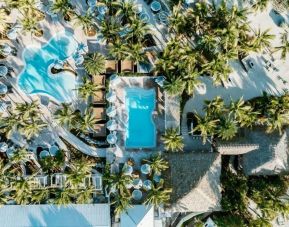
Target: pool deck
pixel 119 89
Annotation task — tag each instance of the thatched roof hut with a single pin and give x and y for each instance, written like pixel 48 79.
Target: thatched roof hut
pixel 195 180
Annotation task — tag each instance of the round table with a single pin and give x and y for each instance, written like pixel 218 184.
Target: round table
pixel 156 6
pixel 53 150
pixel 44 154
pixel 127 170
pixel 144 17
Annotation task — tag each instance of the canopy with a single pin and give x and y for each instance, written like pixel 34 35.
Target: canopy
pixel 111 138
pixel 111 96
pixel 111 111
pixel 3 70
pixel 111 125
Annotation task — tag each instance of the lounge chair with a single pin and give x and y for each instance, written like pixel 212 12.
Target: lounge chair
pixel 127 66
pixel 110 66
pixel 99 113
pixel 99 97
pixel 99 130
pixel 98 80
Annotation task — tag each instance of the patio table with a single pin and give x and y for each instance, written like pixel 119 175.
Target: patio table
pixel 137 194
pixel 145 168
pixel 144 17
pixel 137 183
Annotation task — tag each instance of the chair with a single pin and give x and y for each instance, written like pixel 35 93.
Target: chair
pixel 98 97
pixel 110 66
pixel 98 80
pixel 127 66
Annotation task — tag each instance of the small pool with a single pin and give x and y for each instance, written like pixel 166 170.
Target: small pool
pixel 36 77
pixel 141 130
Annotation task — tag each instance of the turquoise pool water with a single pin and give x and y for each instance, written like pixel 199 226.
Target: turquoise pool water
pixel 36 77
pixel 141 130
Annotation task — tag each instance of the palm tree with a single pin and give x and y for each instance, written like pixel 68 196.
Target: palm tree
pixel 121 203
pixel 138 30
pixel 20 156
pixel 27 110
pixel 227 129
pixel 260 5
pixel 125 9
pixel 21 190
pixel 62 7
pixel 86 123
pixel 118 50
pixel 276 122
pixel 94 64
pixel 177 20
pixel 110 29
pixel 30 24
pixel 158 164
pixel 284 48
pixel 158 195
pixel 173 141
pixel 175 86
pixel 9 124
pixel 85 195
pixel 63 196
pixel 40 196
pixel 214 107
pixel 135 53
pixel 262 40
pixel 120 182
pixel 86 21
pixel 206 126
pixel 33 128
pixel 66 116
pixel 87 89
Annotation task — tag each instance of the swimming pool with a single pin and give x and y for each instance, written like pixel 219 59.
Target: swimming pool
pixel 141 130
pixel 36 77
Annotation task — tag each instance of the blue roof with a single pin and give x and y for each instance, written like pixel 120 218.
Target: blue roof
pixel 74 215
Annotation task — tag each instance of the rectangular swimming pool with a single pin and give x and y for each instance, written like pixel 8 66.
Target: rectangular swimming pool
pixel 140 130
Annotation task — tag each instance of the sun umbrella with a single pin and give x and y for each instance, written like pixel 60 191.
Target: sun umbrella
pixel 160 80
pixel 3 147
pixel 53 150
pixel 12 34
pixel 136 194
pixel 145 168
pixel 111 111
pixel 79 59
pixel 6 49
pixel 3 89
pixel 81 48
pixel 114 79
pixel 147 184
pixel 3 70
pixel 111 96
pixel 44 154
pixel 127 169
pixel 111 138
pixel 137 183
pixel 111 125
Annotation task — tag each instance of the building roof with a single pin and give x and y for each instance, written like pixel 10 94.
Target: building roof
pixel 271 157
pixel 74 215
pixel 195 180
pixel 137 216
